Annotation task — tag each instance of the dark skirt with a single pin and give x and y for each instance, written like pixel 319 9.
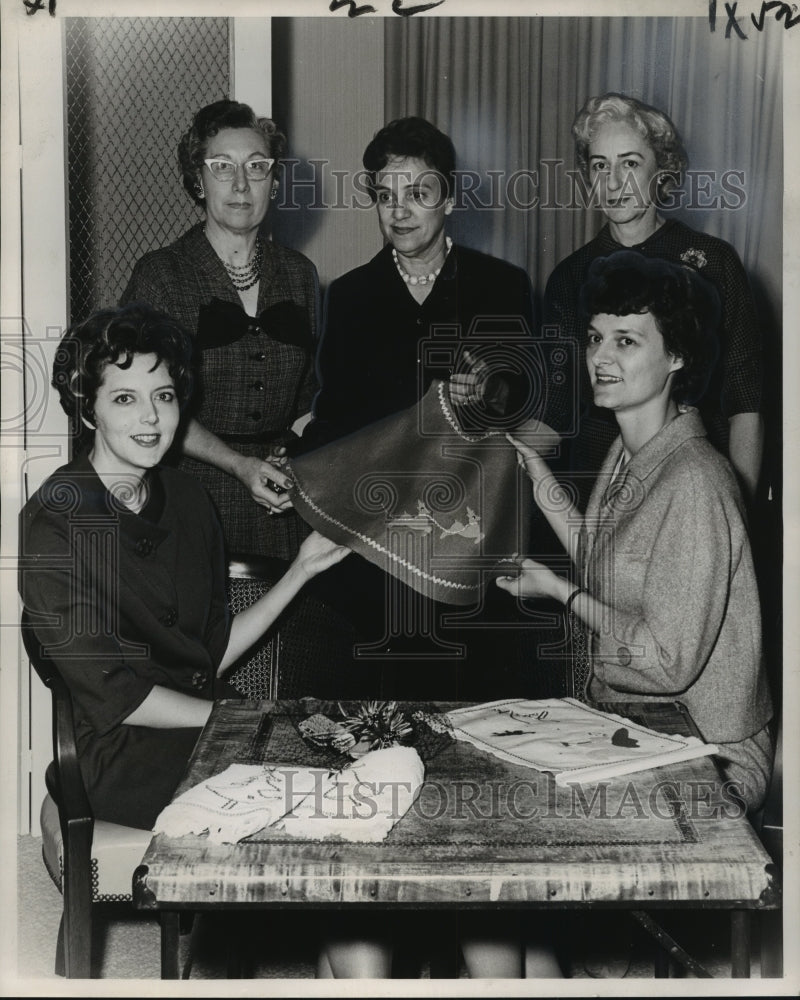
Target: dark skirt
pixel 131 776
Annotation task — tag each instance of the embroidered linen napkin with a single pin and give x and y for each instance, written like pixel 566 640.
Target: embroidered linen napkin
pixel 360 803
pixel 575 742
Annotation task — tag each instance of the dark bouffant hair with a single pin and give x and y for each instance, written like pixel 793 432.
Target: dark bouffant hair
pixel 414 137
pixel 210 120
pixel 685 306
pixel 653 125
pixel 114 336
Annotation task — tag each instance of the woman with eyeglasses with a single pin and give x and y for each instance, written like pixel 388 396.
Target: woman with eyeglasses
pixel 251 306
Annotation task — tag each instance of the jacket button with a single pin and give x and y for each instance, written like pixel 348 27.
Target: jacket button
pixel 254 329
pixel 258 386
pixel 255 415
pixel 169 618
pixel 623 656
pixel 198 679
pixel 260 356
pixel 144 547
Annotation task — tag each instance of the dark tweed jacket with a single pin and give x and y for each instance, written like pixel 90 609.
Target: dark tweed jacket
pixel 255 374
pixel 735 386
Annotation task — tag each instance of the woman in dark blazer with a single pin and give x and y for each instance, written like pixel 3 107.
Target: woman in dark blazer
pixel 423 309
pixel 122 567
pixel 251 306
pixel 403 319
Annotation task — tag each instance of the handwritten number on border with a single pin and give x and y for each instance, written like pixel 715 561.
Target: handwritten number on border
pixel 780 9
pixel 31 6
pixel 354 10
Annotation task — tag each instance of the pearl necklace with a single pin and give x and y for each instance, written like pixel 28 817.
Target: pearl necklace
pixel 244 276
pixel 421 279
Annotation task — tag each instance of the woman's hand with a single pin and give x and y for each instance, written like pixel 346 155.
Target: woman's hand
pixel 318 553
pixel 529 458
pixel 467 387
pixel 537 434
pixel 532 579
pixel 260 477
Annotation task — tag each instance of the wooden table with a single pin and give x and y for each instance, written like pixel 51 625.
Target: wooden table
pixel 483 833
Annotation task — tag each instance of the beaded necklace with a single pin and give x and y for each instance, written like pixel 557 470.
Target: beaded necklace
pixel 421 279
pixel 244 276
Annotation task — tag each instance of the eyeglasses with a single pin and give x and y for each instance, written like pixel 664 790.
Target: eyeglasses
pixel 225 170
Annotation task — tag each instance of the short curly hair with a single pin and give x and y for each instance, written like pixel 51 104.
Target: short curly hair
pixel 653 125
pixel 114 336
pixel 210 120
pixel 686 308
pixel 414 137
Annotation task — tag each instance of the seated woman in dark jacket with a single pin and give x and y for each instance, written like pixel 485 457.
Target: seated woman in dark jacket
pixel 123 566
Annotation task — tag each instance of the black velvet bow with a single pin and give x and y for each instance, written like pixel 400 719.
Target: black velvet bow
pixel 222 323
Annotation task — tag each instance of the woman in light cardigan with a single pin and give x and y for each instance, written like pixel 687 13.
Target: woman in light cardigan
pixel 666 595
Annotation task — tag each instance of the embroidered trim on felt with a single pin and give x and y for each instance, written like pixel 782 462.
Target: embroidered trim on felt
pixel 438 580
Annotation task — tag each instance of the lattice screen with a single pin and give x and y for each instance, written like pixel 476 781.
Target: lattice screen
pixel 133 85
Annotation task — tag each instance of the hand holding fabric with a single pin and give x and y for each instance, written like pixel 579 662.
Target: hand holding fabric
pixel 533 579
pixel 318 553
pixel 529 458
pixel 260 477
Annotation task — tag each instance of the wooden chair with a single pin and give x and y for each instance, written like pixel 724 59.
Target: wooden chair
pixel 90 861
pixel 769 826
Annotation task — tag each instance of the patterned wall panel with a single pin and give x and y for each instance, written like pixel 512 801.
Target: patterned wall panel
pixel 133 85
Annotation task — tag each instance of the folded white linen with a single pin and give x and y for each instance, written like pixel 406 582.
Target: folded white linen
pixel 233 804
pixel 360 803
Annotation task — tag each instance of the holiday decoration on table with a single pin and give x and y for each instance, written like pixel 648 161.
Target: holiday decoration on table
pixel 351 729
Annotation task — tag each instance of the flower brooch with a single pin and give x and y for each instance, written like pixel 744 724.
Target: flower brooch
pixel 694 258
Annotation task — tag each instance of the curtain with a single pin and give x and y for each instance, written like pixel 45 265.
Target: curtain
pixel 506 90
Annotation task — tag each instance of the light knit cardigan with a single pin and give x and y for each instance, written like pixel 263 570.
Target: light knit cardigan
pixel 666 547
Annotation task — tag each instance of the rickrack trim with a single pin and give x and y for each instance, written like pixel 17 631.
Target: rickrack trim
pixel 438 580
pixel 449 416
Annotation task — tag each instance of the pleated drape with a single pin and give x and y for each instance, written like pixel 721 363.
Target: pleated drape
pixel 507 89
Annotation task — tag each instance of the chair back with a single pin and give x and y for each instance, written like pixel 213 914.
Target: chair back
pixel 307 651
pixel 69 791
pixel 771 825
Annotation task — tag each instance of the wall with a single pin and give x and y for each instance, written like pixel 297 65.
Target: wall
pixel 333 70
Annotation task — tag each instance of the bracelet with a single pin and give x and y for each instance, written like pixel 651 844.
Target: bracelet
pixel 571 598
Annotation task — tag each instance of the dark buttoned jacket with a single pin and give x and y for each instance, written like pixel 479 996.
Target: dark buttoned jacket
pixel 122 602
pixel 381 350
